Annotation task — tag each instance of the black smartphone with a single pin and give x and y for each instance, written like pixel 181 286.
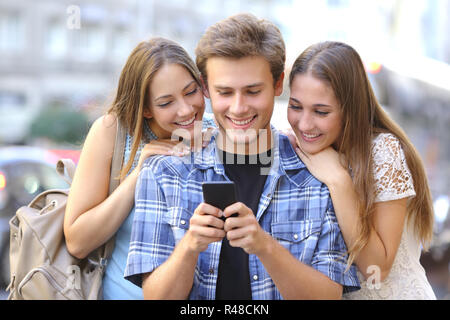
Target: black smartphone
pixel 219 194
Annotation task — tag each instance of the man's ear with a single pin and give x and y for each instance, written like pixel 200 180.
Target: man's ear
pixel 147 113
pixel 279 85
pixel 204 87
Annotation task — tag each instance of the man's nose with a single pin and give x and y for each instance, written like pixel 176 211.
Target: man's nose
pixel 238 105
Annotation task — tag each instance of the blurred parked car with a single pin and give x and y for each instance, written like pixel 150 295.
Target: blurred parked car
pixel 24 173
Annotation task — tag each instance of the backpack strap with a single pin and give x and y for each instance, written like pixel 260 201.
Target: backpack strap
pixel 104 252
pixel 66 169
pixel 114 180
pixel 117 159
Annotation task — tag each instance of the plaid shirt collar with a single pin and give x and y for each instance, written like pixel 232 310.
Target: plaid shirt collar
pixel 284 160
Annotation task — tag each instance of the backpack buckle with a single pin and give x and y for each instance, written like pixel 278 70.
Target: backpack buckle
pixel 101 263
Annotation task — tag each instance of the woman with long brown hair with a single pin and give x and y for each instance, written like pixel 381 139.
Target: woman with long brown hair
pixel 374 174
pixel 159 91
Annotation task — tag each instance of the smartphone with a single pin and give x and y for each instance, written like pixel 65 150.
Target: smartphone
pixel 219 194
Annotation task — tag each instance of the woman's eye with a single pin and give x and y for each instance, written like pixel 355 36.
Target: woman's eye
pixel 192 91
pixel 164 104
pixel 294 107
pixel 322 113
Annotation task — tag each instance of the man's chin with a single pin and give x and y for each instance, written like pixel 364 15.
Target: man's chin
pixel 248 140
pixel 241 137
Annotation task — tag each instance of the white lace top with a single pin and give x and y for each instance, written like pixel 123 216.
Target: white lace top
pixel 393 180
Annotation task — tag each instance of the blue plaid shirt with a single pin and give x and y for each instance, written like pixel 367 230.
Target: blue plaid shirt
pixel 295 208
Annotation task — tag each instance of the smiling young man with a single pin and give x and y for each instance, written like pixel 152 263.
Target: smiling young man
pixel 285 241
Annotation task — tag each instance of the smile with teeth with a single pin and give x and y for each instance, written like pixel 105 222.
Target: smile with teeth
pixel 187 122
pixel 310 136
pixel 242 122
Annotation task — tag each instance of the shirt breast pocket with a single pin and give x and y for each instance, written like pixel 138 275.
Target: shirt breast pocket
pixel 299 237
pixel 178 219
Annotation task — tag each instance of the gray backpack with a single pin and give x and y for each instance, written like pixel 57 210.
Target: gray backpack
pixel 41 267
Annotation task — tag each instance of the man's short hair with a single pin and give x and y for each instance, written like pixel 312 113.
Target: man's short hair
pixel 239 36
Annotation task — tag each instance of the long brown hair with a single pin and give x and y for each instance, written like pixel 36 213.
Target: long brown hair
pixel 340 66
pixel 132 96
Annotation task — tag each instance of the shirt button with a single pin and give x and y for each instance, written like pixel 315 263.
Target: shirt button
pixel 255 277
pixel 295 236
pixel 211 271
pixel 183 222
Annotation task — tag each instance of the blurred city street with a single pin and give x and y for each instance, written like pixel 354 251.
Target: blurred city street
pixel 60 61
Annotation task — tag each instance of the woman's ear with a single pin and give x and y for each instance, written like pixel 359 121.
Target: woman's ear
pixel 147 113
pixel 204 87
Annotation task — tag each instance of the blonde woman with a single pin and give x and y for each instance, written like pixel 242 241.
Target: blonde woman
pixel 375 176
pixel 159 91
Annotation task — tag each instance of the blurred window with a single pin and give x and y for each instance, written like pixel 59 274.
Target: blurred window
pixel 121 44
pixel 12 32
pixel 182 27
pixel 91 42
pixel 337 3
pixel 209 7
pixel 177 3
pixel 90 39
pixel 55 39
pixel 10 100
pixel 230 7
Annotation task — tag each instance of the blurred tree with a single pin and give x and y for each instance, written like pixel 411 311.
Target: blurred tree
pixel 60 124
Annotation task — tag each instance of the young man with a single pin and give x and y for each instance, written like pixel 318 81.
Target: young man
pixel 285 241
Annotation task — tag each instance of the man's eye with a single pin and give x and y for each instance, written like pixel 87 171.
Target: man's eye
pixel 253 92
pixel 224 93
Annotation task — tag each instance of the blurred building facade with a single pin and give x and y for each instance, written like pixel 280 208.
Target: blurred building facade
pixel 70 52
pixel 47 56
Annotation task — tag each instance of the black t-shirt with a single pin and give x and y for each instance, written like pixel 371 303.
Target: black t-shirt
pixel 233 275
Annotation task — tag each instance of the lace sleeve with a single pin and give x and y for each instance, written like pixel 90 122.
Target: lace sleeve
pixel 392 177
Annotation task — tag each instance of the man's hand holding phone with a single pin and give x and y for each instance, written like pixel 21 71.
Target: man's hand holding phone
pixel 206 226
pixel 244 230
pixel 239 223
